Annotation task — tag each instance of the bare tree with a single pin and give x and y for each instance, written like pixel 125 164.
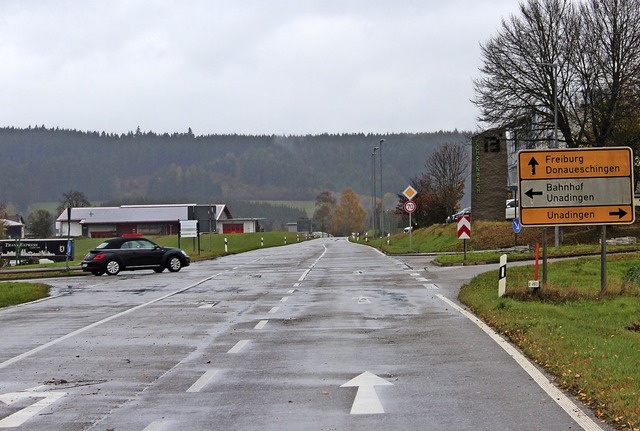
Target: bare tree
pixel 447 169
pixel 73 199
pixel 610 70
pixel 581 59
pixel 519 80
pixel 441 187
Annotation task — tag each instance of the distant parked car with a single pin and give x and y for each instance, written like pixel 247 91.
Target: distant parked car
pixel 129 254
pixel 408 228
pixel 454 217
pixel 511 209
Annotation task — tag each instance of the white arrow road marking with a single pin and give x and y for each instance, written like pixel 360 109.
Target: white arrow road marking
pixel 366 401
pixel 21 416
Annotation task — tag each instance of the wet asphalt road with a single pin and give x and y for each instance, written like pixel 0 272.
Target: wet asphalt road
pixel 268 340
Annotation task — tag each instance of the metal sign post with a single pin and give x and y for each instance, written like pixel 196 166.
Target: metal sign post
pixel 410 207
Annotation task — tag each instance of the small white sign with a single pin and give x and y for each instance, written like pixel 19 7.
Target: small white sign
pixel 534 284
pixel 188 228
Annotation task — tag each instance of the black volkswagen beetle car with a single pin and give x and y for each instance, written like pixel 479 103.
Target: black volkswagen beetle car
pixel 129 254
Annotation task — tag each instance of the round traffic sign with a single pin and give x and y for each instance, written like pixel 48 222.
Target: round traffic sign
pixel 409 206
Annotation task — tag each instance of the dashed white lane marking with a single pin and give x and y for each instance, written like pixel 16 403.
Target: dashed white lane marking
pixel 21 416
pixel 430 286
pixel 415 274
pixel 155 426
pixel 296 284
pixel 274 310
pixel 565 403
pixel 202 381
pixel 291 292
pixel 261 324
pixel 421 279
pixel 239 346
pixel 207 306
pixel 285 299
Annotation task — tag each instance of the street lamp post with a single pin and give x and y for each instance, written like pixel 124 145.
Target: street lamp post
pixel 381 194
pixel 373 198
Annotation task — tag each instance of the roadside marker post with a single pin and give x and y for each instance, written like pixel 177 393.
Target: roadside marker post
pixel 502 276
pixel 464 231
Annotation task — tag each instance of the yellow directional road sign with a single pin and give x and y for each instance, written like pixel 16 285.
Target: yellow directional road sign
pixel 576 186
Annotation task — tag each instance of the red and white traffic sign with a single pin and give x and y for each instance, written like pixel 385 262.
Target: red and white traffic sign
pixel 409 206
pixel 464 227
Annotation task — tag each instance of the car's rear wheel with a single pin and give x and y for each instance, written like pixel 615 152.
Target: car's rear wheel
pixel 174 264
pixel 112 267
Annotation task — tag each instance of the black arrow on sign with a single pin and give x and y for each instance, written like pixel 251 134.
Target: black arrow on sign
pixel 531 193
pixel 620 213
pixel 533 163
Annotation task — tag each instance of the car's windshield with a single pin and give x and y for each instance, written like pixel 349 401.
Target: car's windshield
pixel 134 243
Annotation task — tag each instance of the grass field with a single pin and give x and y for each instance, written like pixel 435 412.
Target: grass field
pixel 13 293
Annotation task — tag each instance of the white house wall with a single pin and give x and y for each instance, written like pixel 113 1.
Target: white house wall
pixel 61 228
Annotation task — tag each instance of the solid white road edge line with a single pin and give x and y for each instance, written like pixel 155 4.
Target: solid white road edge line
pixel 554 393
pixel 304 274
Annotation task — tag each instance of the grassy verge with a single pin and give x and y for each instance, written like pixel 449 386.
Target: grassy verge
pixel 13 293
pixel 589 343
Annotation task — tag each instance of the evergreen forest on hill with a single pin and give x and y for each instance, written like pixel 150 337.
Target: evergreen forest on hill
pixel 40 164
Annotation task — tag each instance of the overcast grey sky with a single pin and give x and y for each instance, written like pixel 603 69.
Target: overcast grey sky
pixel 244 66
